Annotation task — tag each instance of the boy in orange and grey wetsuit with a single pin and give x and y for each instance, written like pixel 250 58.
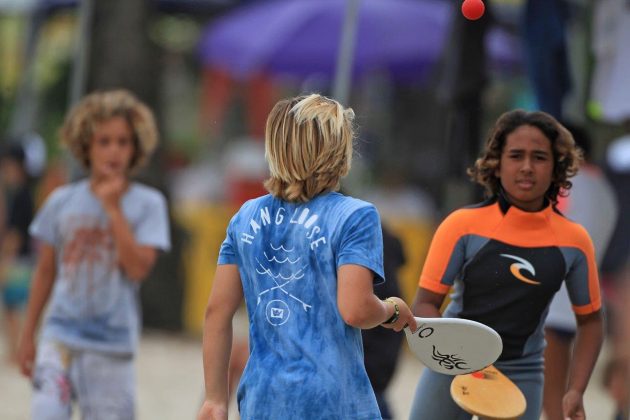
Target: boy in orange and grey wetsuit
pixel 505 265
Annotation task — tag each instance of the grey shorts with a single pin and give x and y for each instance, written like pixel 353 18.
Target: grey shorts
pixel 102 385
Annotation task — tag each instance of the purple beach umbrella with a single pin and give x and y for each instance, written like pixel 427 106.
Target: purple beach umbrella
pixel 301 38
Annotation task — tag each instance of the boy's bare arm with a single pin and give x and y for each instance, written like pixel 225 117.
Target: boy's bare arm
pixel 135 260
pixel 225 298
pixel 361 308
pixel 43 280
pixel 427 304
pixel 589 339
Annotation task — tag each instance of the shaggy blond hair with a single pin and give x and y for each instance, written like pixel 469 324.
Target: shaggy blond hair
pixel 566 156
pixel 82 120
pixel 308 145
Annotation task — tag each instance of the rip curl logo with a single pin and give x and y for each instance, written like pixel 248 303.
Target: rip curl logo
pixel 522 264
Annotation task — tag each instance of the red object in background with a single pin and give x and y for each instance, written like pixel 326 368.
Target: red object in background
pixel 240 190
pixel 220 89
pixel 260 99
pixel 217 88
pixel 473 9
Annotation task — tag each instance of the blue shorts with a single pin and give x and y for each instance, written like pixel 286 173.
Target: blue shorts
pixel 16 285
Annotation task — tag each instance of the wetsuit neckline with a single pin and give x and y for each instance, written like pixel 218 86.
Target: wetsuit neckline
pixel 504 203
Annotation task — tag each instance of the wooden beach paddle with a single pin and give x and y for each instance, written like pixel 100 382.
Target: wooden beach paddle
pixel 488 394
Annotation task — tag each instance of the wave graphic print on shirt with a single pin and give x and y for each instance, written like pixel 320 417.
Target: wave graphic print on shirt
pixel 279 262
pixel 278 311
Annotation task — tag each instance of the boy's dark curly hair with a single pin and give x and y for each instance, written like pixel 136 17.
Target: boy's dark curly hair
pixel 567 157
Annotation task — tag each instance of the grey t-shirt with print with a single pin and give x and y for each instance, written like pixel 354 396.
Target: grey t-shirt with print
pixel 94 306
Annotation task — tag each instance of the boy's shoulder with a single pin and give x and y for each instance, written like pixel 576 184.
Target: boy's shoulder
pixel 137 189
pixel 143 190
pixel 254 205
pixel 324 200
pixel 569 230
pixel 342 206
pixel 353 201
pixel 63 191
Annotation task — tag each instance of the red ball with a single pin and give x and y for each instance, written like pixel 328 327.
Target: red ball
pixel 473 9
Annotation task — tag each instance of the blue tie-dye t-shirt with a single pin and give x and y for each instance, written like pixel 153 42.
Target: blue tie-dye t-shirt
pixel 305 361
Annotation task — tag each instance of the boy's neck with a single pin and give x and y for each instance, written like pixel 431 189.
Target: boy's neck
pixel 95 180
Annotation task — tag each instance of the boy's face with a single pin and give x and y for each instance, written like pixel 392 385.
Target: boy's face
pixel 111 148
pixel 526 167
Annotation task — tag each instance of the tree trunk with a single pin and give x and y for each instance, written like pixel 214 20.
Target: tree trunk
pixel 121 55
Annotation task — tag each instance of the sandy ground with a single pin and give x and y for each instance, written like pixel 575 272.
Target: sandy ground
pixel 170 383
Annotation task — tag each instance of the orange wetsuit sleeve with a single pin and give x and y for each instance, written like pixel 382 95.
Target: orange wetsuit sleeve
pixel 445 257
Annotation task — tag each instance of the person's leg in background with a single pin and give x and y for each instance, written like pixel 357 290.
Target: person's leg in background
pixel 15 286
pixel 544 32
pixel 52 389
pixel 560 329
pixel 557 356
pixel 617 370
pixel 433 401
pixel 104 385
pixel 528 375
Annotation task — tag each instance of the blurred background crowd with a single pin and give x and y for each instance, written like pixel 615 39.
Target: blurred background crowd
pixel 424 82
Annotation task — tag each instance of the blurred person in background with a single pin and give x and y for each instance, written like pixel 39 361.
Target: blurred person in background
pixel 592 203
pixel 381 346
pixel 52 177
pixel 621 356
pixel 544 29
pixel 98 239
pixel 609 93
pixel 610 81
pixel 15 245
pixel 507 256
pixel 304 258
pixel 615 278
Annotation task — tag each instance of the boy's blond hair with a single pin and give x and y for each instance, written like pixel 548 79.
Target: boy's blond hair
pixel 80 124
pixel 308 145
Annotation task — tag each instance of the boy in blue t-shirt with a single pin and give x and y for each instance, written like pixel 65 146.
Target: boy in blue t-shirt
pixel 99 238
pixel 305 259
